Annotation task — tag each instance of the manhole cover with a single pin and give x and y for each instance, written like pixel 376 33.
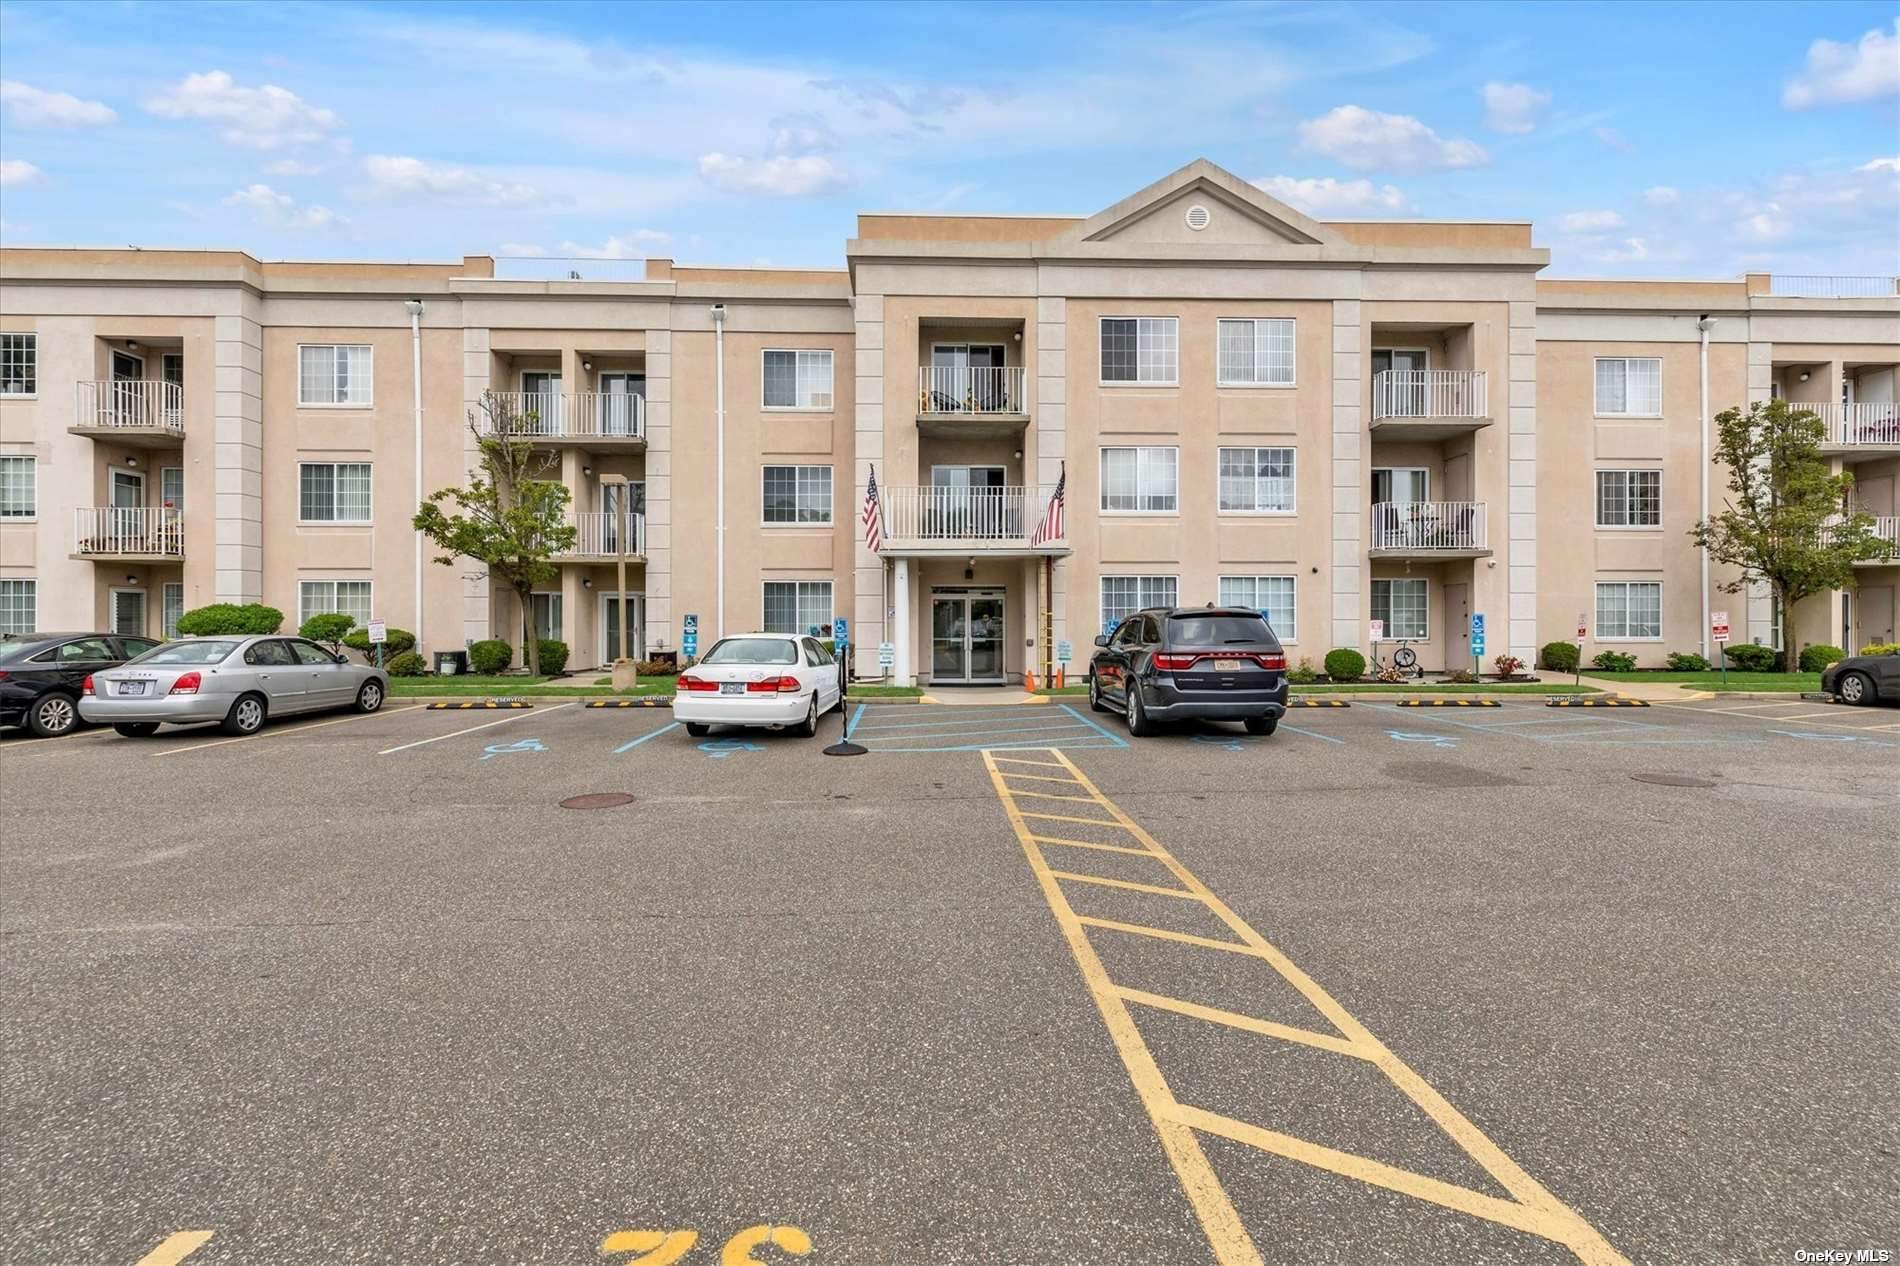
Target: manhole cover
pixel 598 800
pixel 1674 780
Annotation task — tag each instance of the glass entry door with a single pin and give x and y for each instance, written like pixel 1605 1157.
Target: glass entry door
pixel 966 637
pixel 610 625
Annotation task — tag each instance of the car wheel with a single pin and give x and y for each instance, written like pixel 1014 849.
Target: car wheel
pixel 1855 688
pixel 136 729
pixel 370 697
pixel 1095 696
pixel 808 728
pixel 1138 723
pixel 246 715
pixel 1262 725
pixel 54 715
pixel 698 729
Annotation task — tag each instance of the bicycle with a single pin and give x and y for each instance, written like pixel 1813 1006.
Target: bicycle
pixel 1404 663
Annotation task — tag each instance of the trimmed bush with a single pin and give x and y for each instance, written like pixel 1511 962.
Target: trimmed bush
pixel 1560 657
pixel 1751 658
pixel 229 618
pixel 1685 662
pixel 1881 648
pixel 407 664
pixel 1345 664
pixel 400 641
pixel 486 658
pixel 328 628
pixel 1614 662
pixel 553 656
pixel 1302 674
pixel 1817 657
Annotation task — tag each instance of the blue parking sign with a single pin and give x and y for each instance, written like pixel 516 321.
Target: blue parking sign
pixel 840 631
pixel 1477 633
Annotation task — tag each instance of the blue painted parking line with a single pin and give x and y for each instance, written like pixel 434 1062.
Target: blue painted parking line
pixel 1600 731
pixel 665 729
pixel 962 729
pixel 1116 739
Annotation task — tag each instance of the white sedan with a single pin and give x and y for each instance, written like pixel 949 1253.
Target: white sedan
pixel 777 680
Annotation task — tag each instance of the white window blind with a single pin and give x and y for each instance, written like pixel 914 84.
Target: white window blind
pixel 798 379
pixel 1629 609
pixel 333 374
pixel 1629 386
pixel 1122 596
pixel 1257 480
pixel 323 597
pixel 19 606
pixel 798 494
pixel 798 606
pixel 1629 498
pixel 1137 480
pixel 1271 596
pixel 334 492
pixel 19 487
pixel 19 364
pixel 1140 349
pixel 1256 353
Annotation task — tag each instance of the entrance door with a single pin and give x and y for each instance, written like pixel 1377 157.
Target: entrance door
pixel 966 637
pixel 127 393
pixel 969 502
pixel 1458 620
pixel 610 625
pixel 968 378
pixel 541 396
pixel 1405 397
pixel 620 396
pixel 128 611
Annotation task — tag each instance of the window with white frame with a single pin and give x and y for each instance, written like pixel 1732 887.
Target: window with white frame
pixel 1629 610
pixel 798 606
pixel 1140 480
pixel 19 487
pixel 1256 480
pixel 1122 596
pixel 324 597
pixel 333 492
pixel 797 494
pixel 171 487
pixel 1404 606
pixel 19 364
pixel 1141 350
pixel 1629 386
pixel 1271 596
pixel 171 606
pixel 1629 498
pixel 797 379
pixel 19 606
pixel 334 374
pixel 546 610
pixel 1256 353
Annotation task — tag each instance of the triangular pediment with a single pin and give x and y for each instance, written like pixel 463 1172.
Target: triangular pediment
pixel 1201 204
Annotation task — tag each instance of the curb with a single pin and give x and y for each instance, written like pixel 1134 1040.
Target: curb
pixel 1318 703
pixel 1449 703
pixel 881 700
pixel 484 705
pixel 652 701
pixel 1596 703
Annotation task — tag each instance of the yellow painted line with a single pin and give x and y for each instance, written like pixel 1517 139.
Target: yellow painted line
pixel 519 716
pixel 289 729
pixel 1017 760
pixel 1130 885
pixel 1235 1020
pixel 1048 795
pixel 1063 817
pixel 1106 848
pixel 1008 773
pixel 176 1248
pixel 1165 934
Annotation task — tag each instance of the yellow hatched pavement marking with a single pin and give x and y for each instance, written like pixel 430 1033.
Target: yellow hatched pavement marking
pixel 176 1248
pixel 1104 848
pixel 1010 773
pixel 1531 1209
pixel 1017 760
pixel 1129 884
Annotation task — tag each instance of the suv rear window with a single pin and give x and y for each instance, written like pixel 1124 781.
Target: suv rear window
pixel 1217 630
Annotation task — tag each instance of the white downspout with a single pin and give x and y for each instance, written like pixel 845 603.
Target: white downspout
pixel 719 479
pixel 415 355
pixel 1704 325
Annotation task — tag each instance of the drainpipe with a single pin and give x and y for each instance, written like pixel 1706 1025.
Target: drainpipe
pixel 415 355
pixel 1703 326
pixel 719 482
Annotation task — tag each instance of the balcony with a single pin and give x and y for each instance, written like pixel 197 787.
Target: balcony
pixel 995 522
pixel 1887 528
pixel 1811 286
pixel 599 534
pixel 1429 529
pixel 1429 404
pixel 593 419
pixel 136 412
pixel 971 401
pixel 1858 431
pixel 129 534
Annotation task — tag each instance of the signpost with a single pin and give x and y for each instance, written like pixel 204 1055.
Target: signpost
pixel 886 656
pixel 378 635
pixel 841 643
pixel 1718 630
pixel 1378 634
pixel 1064 653
pixel 1583 628
pixel 689 635
pixel 1477 642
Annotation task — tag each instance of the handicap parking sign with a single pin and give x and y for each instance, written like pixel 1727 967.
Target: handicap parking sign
pixel 1477 633
pixel 840 631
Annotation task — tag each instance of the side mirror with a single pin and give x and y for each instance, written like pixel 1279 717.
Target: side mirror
pixel 1101 639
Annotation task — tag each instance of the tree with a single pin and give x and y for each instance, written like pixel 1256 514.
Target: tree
pixel 506 516
pixel 331 626
pixel 1787 520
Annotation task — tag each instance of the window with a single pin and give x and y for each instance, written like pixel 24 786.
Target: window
pixel 19 488
pixel 1122 596
pixel 1629 387
pixel 546 609
pixel 1256 353
pixel 1401 604
pixel 1140 349
pixel 311 654
pixel 171 367
pixel 171 606
pixel 1139 480
pixel 19 606
pixel 1629 498
pixel 322 597
pixel 797 380
pixel 84 650
pixel 1404 485
pixel 171 487
pixel 19 364
pixel 271 654
pixel 1629 609
pixel 798 606
pixel 1256 480
pixel 333 492
pixel 1271 596
pixel 334 374
pixel 798 494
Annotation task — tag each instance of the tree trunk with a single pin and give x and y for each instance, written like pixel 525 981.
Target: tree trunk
pixel 530 644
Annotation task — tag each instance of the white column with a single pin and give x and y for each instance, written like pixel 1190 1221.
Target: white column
pixel 903 672
pixel 1521 560
pixel 1348 573
pixel 238 429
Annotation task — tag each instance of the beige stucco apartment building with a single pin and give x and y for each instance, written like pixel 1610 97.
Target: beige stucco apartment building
pixel 1339 423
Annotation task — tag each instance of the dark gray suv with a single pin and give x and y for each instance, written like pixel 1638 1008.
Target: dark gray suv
pixel 1190 663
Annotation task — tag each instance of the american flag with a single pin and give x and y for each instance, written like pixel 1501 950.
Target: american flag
pixel 873 516
pixel 1050 529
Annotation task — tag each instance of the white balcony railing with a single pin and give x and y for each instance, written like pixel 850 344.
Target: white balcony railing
pixel 1429 525
pixel 970 389
pixel 1887 528
pixel 1813 286
pixel 568 415
pixel 1430 393
pixel 127 403
pixel 150 531
pixel 1865 422
pixel 598 534
pixel 997 517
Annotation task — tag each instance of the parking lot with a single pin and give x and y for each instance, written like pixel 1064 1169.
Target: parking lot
pixel 1503 985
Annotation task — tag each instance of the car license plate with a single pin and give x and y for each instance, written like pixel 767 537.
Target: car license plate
pixel 132 687
pixel 732 687
pixel 1227 665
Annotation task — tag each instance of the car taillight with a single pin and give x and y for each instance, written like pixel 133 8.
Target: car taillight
pixel 773 685
pixel 1175 663
pixel 1273 663
pixel 85 687
pixel 3 673
pixel 700 684
pixel 187 684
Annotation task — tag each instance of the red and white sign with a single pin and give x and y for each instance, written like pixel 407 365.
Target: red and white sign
pixel 1718 625
pixel 1583 627
pixel 1378 630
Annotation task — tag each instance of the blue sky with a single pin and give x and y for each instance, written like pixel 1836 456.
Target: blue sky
pixel 1657 140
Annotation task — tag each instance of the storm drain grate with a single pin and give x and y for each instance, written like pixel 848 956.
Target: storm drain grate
pixel 597 800
pixel 1674 780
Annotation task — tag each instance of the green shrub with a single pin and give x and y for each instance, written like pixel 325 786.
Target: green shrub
pixel 553 656
pixel 229 618
pixel 1302 673
pixel 1751 658
pixel 1345 664
pixel 1881 648
pixel 1685 662
pixel 1819 656
pixel 407 664
pixel 657 668
pixel 1508 665
pixel 400 641
pixel 328 628
pixel 1613 662
pixel 486 658
pixel 1560 657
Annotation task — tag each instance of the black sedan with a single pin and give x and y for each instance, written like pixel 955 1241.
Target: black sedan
pixel 42 674
pixel 1190 663
pixel 1863 678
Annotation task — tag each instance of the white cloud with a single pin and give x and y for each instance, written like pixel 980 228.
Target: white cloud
pixel 636 245
pixel 1662 196
pixel 37 107
pixel 17 171
pixel 1366 139
pixel 1590 222
pixel 1512 107
pixel 1842 74
pixel 265 117
pixel 1322 196
pixel 271 207
pixel 1878 165
pixel 399 176
pixel 783 176
pixel 1769 224
pixel 1631 250
pixel 291 167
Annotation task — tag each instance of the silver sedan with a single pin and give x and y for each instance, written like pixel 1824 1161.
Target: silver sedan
pixel 237 681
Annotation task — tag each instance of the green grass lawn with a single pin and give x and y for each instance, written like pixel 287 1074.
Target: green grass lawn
pixel 1063 690
pixel 1712 680
pixel 884 692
